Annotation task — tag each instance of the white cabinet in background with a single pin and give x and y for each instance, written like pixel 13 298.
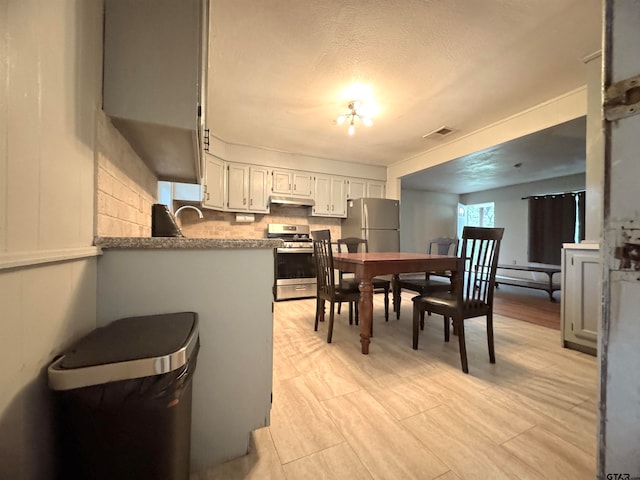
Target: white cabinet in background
pixel 247 188
pixel 238 186
pixel 356 188
pixel 259 189
pixel 375 189
pixel 214 191
pixel 330 196
pixel 361 188
pixel 292 182
pixel 581 297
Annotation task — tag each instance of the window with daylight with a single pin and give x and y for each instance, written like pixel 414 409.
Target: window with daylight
pixel 477 215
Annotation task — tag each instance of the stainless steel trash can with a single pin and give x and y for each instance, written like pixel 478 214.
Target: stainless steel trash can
pixel 123 399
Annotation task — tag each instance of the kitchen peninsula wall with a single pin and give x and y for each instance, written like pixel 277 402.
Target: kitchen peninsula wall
pixel 125 187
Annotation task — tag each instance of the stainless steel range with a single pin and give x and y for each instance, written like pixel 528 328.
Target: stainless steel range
pixel 294 267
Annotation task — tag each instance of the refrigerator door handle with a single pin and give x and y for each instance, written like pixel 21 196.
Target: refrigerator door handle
pixel 365 216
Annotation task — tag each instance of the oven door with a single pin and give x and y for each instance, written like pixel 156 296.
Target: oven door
pixel 295 273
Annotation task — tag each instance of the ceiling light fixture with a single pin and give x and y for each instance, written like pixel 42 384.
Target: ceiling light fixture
pixel 354 113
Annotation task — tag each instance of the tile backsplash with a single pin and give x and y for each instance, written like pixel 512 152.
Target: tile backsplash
pixel 224 225
pixel 125 187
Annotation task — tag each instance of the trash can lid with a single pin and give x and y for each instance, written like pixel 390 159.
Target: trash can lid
pixel 128 348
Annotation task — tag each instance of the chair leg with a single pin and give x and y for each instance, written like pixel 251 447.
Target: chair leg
pixel 463 348
pixel 447 328
pixel 350 312
pixel 330 328
pixel 416 320
pixel 492 352
pixel 315 325
pixel 396 297
pixel 386 304
pixel 339 305
pixel 422 319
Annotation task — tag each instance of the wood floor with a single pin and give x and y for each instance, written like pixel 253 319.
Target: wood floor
pixel 403 414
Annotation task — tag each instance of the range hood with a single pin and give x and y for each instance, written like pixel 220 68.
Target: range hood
pixel 291 201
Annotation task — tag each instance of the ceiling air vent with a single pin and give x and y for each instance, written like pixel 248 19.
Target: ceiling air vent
pixel 439 133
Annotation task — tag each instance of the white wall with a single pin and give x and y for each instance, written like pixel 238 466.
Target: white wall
pixel 426 215
pixel 512 213
pixel 50 77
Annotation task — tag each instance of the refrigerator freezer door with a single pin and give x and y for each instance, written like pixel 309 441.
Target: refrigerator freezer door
pixel 380 213
pixel 383 240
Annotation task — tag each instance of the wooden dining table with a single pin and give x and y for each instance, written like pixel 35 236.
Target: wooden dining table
pixel 368 265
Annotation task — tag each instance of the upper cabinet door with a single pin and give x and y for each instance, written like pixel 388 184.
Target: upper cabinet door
pixel 258 189
pixel 238 181
pixel 322 195
pixel 356 188
pixel 282 181
pixel 214 183
pixel 338 197
pixel 375 189
pixel 302 184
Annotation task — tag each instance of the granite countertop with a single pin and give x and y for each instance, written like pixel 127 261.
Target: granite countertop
pixel 185 243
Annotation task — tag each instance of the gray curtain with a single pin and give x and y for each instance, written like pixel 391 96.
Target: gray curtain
pixel 552 222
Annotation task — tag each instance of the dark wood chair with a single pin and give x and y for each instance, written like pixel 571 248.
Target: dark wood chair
pixel 472 291
pixel 328 289
pixel 426 283
pixel 380 285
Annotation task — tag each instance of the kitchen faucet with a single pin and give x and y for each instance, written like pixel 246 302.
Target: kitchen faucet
pixel 188 206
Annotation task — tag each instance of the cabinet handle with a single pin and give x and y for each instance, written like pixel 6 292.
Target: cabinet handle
pixel 244 201
pixel 289 187
pixel 251 202
pixel 294 187
pixel 208 198
pixel 332 208
pixel 327 207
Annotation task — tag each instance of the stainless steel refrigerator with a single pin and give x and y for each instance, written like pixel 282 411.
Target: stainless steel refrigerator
pixel 377 220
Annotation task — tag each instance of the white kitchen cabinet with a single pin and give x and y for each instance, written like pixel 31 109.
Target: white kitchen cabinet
pixel 375 189
pixel 259 189
pixel 330 196
pixel 214 187
pixel 361 188
pixel 292 182
pixel 238 186
pixel 153 81
pixel 247 188
pixel 581 297
pixel 356 188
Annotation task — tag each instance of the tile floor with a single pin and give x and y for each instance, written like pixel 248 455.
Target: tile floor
pixel 403 414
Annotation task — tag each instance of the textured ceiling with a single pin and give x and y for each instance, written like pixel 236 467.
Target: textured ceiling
pixel 279 68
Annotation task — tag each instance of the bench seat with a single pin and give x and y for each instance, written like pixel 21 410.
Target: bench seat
pixel 521 282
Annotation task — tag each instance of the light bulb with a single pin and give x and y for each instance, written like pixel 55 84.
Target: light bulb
pixel 367 121
pixel 340 120
pixel 351 129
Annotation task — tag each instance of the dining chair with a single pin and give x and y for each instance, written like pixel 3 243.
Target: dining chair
pixel 380 285
pixel 425 283
pixel 471 294
pixel 328 289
